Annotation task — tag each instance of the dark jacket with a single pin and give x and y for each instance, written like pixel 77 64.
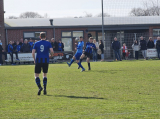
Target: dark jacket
pixel 116 45
pixel 150 44
pixel 26 47
pixel 101 46
pixel 54 46
pixel 158 44
pixel 1 48
pixel 143 45
pixel 14 47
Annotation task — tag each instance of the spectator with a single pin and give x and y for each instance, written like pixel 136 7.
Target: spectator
pixel 158 46
pixel 14 46
pixel 101 46
pixel 10 51
pixel 95 50
pixel 116 46
pixel 18 47
pixel 26 46
pixel 54 44
pixel 143 45
pixel 2 52
pixel 150 43
pixel 31 44
pixel 21 44
pixel 124 50
pixel 60 46
pixel 136 49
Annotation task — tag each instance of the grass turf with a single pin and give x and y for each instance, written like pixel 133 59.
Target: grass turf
pixel 127 89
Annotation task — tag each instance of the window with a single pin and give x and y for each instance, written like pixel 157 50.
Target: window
pixel 67 44
pixel 77 33
pixel 66 34
pixel 28 35
pixel 156 32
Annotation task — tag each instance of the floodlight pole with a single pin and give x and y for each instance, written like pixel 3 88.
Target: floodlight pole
pixel 102 22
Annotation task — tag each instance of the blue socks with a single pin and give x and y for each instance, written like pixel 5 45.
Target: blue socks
pixel 44 82
pixel 38 82
pixel 80 65
pixel 71 62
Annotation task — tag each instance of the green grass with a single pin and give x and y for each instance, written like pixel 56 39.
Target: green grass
pixel 116 90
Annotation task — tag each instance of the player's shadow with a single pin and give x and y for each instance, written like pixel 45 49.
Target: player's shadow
pixel 80 97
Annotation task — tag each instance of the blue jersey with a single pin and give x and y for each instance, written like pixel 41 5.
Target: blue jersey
pixel 18 48
pixel 42 47
pixel 80 47
pixel 88 47
pixel 10 48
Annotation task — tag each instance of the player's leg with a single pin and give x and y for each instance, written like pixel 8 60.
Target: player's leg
pixel 72 60
pixel 80 65
pixel 37 79
pixel 45 71
pixel 81 58
pixel 88 61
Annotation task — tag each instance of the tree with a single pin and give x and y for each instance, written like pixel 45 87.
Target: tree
pixel 12 17
pixel 88 14
pixel 150 8
pixel 30 15
pixel 104 15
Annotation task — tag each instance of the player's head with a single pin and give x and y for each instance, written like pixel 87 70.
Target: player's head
pixel 81 38
pixel 91 39
pixel 43 35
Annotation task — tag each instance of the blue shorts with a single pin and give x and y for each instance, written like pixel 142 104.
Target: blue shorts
pixel 78 55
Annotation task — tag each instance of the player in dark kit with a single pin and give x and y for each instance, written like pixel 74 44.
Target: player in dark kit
pixel 88 52
pixel 42 48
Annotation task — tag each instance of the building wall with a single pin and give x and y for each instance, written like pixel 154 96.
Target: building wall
pixel 151 29
pixel 2 29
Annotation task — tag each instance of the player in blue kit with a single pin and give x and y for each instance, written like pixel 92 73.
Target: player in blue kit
pixel 78 53
pixel 88 52
pixel 42 48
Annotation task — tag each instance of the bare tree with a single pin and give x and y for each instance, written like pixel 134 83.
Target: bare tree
pixel 12 17
pixel 30 15
pixel 46 15
pixel 150 8
pixel 104 15
pixel 88 14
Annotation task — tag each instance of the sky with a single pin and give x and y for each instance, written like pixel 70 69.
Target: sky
pixel 69 8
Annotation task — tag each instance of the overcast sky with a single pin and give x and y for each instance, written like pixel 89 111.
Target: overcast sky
pixel 69 8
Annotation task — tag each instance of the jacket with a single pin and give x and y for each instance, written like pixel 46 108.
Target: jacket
pixel 101 46
pixel 1 48
pixel 116 45
pixel 26 48
pixel 143 45
pixel 150 44
pixel 10 48
pixel 158 44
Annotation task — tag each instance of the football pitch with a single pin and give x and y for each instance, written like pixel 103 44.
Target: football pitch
pixel 125 90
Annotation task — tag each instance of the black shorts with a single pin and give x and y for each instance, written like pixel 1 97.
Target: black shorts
pixel 39 66
pixel 88 55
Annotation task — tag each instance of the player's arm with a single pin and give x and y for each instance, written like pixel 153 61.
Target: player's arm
pixel 51 52
pixel 33 54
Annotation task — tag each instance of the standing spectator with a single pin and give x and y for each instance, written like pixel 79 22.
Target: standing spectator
pixel 95 50
pixel 150 43
pixel 10 51
pixel 124 50
pixel 26 46
pixel 158 46
pixel 116 46
pixel 21 44
pixel 60 46
pixel 2 52
pixel 18 47
pixel 31 44
pixel 143 45
pixel 136 49
pixel 54 44
pixel 101 46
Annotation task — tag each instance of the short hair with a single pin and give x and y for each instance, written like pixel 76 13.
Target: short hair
pixel 25 40
pixel 43 35
pixel 52 38
pixel 81 37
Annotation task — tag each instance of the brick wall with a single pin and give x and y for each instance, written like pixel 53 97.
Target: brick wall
pixel 2 29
